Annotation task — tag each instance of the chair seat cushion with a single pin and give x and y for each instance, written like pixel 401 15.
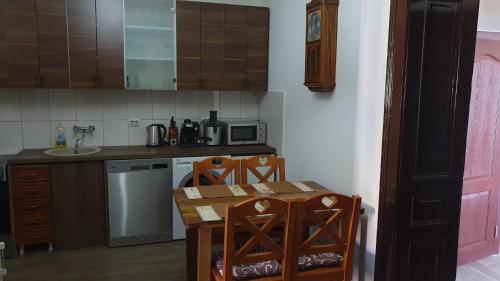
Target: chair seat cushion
pixel 252 271
pixel 313 261
pixel 273 267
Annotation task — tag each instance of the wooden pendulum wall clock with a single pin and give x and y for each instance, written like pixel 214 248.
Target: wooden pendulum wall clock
pixel 321 45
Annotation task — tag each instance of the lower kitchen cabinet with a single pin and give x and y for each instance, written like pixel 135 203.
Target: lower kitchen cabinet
pixel 31 198
pixel 78 204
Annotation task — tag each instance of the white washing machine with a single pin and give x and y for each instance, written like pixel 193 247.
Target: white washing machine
pixel 182 175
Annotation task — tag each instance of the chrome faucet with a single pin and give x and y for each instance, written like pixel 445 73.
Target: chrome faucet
pixel 80 133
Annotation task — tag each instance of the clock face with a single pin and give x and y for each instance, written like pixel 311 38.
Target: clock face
pixel 314 26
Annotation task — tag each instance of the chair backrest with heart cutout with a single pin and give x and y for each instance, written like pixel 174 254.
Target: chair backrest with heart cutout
pixel 209 165
pixel 259 217
pixel 326 223
pixel 275 164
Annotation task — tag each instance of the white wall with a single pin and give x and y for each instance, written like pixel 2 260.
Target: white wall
pixel 335 139
pixel 489 15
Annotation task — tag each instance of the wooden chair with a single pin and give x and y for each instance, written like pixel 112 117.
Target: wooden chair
pixel 336 218
pixel 275 164
pixel 207 166
pixel 259 222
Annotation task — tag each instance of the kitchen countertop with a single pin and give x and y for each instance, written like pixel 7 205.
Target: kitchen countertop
pixel 36 156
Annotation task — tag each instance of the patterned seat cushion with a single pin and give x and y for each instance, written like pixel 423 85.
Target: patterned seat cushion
pixel 273 267
pixel 313 261
pixel 252 271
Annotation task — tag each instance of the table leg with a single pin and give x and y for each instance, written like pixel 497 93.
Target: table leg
pixel 191 253
pixel 204 254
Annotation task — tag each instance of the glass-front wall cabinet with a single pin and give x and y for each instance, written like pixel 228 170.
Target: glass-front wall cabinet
pixel 150 44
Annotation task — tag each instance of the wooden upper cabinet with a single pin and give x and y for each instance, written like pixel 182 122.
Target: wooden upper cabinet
pixel 222 47
pixel 235 47
pixel 22 43
pixel 110 44
pixel 82 37
pixel 212 46
pixel 52 43
pixel 4 67
pixel 257 48
pixel 188 45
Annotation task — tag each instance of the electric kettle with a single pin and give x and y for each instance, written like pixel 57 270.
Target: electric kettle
pixel 156 135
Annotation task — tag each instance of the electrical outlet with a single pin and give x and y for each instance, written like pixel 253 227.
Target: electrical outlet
pixel 134 122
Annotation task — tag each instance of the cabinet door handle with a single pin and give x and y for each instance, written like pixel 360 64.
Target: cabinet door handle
pixel 35 222
pixel 128 82
pixel 35 206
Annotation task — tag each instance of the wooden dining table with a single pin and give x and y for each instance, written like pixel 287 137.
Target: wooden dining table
pixel 199 233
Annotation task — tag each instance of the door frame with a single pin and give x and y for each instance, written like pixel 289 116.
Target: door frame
pixel 386 258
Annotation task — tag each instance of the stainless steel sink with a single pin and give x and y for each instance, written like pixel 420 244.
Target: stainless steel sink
pixel 71 152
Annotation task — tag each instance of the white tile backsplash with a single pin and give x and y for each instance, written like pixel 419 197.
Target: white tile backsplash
pixel 9 105
pixel 206 103
pixel 29 117
pixel 11 137
pixel 140 105
pixel 249 105
pixel 88 105
pixel 115 132
pixel 36 134
pixel 186 106
pixel 163 105
pixel 62 104
pixel 230 105
pixel 34 104
pixel 114 105
pixel 137 135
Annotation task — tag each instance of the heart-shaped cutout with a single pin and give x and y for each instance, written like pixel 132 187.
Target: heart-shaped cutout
pixel 329 201
pixel 263 160
pixel 262 206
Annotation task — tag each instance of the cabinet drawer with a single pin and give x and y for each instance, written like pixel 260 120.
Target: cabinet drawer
pixel 30 190
pixel 32 206
pixel 26 236
pixel 31 221
pixel 30 174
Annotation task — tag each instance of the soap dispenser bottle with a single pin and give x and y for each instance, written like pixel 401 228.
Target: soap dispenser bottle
pixel 60 137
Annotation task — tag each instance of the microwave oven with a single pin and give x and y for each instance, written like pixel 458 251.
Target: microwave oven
pixel 245 132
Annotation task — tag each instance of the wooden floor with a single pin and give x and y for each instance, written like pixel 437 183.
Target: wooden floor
pixel 487 269
pixel 164 261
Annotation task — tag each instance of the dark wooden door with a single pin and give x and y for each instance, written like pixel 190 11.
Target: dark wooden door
pixel 257 48
pixel 78 205
pixel 235 47
pixel 53 43
pixel 212 46
pixel 22 43
pixel 482 162
pixel 430 70
pixel 110 44
pixel 188 45
pixel 82 37
pixel 4 65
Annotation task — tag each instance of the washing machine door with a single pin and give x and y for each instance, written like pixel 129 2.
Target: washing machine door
pixel 187 181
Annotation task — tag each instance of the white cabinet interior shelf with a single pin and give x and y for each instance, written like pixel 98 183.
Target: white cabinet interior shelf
pixel 150 44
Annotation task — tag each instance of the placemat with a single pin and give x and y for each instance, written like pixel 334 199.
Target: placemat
pixel 192 193
pixel 207 213
pixel 263 188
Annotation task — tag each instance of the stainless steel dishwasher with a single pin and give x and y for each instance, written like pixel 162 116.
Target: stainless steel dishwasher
pixel 139 201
